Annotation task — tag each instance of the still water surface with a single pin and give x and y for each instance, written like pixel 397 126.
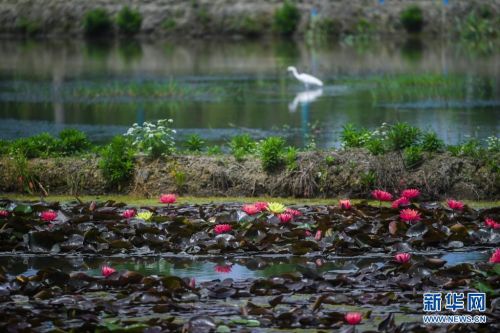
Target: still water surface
pixel 220 89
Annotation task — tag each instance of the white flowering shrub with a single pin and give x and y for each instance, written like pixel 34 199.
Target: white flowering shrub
pixel 493 144
pixel 154 140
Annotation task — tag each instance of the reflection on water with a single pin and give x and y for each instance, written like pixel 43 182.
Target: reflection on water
pixel 228 87
pixel 213 268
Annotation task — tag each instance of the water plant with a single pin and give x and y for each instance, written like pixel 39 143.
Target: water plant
pixel 286 18
pixel 410 215
pixel 345 204
pixel 107 271
pixel 129 20
pixel 412 19
pixel 353 318
pixel 276 207
pixel 129 213
pixel 222 228
pixel 169 198
pixel 117 161
pixel 48 216
pixel 455 204
pixel 153 140
pixel 97 22
pixel 402 258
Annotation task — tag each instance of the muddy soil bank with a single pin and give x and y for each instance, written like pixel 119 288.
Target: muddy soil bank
pixel 233 17
pixel 352 173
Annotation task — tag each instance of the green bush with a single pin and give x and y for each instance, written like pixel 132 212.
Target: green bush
pixel 194 143
pixel 412 19
pixel 28 27
pixel 402 135
pixel 290 158
pixel 117 161
pixel 353 137
pixel 476 27
pixel 129 21
pixel 243 144
pixel 330 160
pixel 4 147
pixel 97 22
pixel 73 141
pixel 271 153
pixel 431 142
pixel 214 150
pixel 41 145
pixel 412 156
pixel 376 146
pixel 153 140
pixel 286 19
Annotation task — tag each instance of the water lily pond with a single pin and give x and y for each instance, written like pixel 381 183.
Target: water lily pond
pixel 221 89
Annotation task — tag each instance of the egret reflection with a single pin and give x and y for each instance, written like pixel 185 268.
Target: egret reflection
pixel 304 98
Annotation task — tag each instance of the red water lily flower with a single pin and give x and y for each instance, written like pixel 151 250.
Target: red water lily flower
pixel 128 214
pixel 4 213
pixel 293 212
pixel 345 204
pixel 222 228
pixel 353 318
pixel 410 215
pixel 223 268
pixel 251 209
pixel 455 204
pixel 403 201
pixel 402 258
pixel 491 223
pixel 308 233
pixel 107 271
pixel 285 217
pixel 48 215
pixel 318 235
pixel 495 257
pixel 168 198
pixel 262 206
pixel 381 195
pixel 410 193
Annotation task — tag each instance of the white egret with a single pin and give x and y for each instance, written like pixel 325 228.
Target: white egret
pixel 305 78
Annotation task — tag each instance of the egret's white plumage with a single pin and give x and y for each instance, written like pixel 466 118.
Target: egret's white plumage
pixel 305 78
pixel 304 98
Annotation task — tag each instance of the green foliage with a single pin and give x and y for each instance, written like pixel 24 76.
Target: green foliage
pixel 368 179
pixel 412 19
pixel 470 148
pixel 353 137
pixel 28 27
pixel 117 161
pixel 413 156
pixel 376 146
pixel 73 141
pixel 477 27
pixel 41 145
pixel 4 147
pixel 153 140
pixel 243 143
pixel 169 24
pixel 290 157
pixel 97 22
pixel 329 160
pixel 402 135
pixel 194 143
pixel 214 150
pixel 493 144
pixel 431 142
pixel 286 19
pixel 129 21
pixel 271 153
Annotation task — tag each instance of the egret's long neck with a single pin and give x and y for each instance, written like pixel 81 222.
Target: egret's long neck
pixel 295 73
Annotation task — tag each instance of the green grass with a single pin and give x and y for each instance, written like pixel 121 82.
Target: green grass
pixel 142 201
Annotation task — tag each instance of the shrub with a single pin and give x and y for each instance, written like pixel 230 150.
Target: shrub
pixel 286 18
pixel 153 140
pixel 73 141
pixel 290 158
pixel 214 150
pixel 431 142
pixel 117 161
pixel 194 143
pixel 493 144
pixel 129 21
pixel 376 146
pixel 41 145
pixel 329 160
pixel 97 22
pixel 412 156
pixel 402 135
pixel 271 153
pixel 412 19
pixel 353 137
pixel 476 27
pixel 243 144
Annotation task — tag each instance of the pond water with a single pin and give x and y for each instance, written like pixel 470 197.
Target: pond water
pixel 211 268
pixel 220 89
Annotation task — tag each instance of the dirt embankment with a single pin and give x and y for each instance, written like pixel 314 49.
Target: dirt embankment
pixel 233 17
pixel 351 173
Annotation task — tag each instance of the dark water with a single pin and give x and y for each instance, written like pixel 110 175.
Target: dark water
pixel 204 269
pixel 223 88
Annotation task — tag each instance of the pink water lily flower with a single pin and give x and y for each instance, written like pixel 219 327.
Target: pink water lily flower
pixel 168 198
pixel 293 212
pixel 455 204
pixel 381 195
pixel 285 218
pixel 48 215
pixel 223 268
pixel 107 271
pixel 129 213
pixel 4 213
pixel 222 228
pixel 353 318
pixel 492 223
pixel 403 201
pixel 495 257
pixel 402 258
pixel 192 283
pixel 410 193
pixel 345 204
pixel 410 215
pixel 251 209
pixel 308 233
pixel 261 205
pixel 318 235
